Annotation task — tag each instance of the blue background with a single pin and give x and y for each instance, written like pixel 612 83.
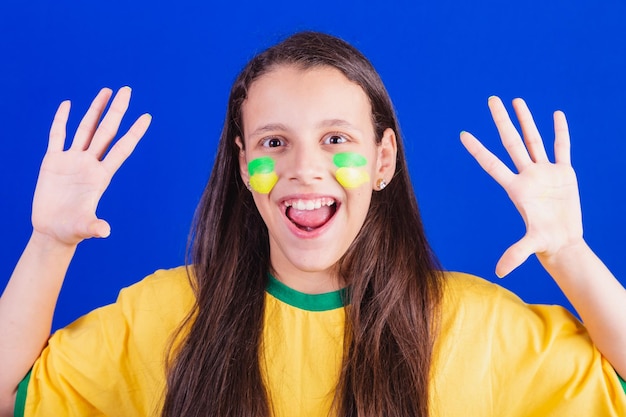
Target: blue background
pixel 440 61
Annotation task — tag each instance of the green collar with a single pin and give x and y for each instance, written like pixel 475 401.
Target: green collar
pixel 310 302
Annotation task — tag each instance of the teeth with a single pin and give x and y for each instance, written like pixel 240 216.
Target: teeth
pixel 309 204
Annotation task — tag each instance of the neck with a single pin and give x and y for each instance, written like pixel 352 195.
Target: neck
pixel 308 282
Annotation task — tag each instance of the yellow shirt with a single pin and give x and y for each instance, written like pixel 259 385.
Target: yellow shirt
pixel 494 356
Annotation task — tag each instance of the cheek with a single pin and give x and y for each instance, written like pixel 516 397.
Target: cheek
pixel 351 169
pixel 352 177
pixel 262 174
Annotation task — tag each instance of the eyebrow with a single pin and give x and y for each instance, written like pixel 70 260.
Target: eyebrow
pixel 273 127
pixel 337 123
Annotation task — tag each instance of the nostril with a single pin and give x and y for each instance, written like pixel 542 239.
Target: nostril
pixel 307 168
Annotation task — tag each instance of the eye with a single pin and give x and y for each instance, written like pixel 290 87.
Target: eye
pixel 272 142
pixel 335 139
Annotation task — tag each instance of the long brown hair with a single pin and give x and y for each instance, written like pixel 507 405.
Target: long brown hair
pixel 394 294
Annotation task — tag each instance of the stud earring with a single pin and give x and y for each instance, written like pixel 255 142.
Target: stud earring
pixel 248 186
pixel 381 184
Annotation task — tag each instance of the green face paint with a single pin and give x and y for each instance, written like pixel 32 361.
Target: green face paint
pixel 350 169
pixel 262 175
pixel 349 160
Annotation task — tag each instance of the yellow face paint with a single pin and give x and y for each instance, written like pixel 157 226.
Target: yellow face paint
pixel 350 169
pixel 262 175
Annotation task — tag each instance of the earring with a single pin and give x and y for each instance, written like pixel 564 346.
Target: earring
pixel 248 186
pixel 381 184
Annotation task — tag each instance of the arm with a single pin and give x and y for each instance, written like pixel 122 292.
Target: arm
pixel 546 195
pixel 68 190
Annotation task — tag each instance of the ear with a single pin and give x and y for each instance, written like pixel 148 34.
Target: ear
pixel 386 157
pixel 243 162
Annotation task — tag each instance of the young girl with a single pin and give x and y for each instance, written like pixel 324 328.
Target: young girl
pixel 311 289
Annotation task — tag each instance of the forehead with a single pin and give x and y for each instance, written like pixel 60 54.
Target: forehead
pixel 300 98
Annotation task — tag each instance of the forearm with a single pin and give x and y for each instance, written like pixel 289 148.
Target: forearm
pixel 26 309
pixel 598 297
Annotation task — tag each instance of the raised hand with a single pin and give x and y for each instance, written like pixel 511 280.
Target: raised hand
pixel 545 193
pixel 71 182
pixel 68 190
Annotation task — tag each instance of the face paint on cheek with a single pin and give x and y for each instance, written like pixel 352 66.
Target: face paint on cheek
pixel 351 171
pixel 262 175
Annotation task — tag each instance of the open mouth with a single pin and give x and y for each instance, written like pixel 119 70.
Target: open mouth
pixel 309 215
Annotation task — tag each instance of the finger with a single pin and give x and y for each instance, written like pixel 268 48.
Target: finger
pixel 515 255
pixel 127 143
pixel 532 138
pixel 562 145
pixel 110 123
pixel 487 160
pixel 89 122
pixel 56 140
pixel 509 136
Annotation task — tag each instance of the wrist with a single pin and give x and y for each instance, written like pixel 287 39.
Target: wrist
pixel 568 262
pixel 46 244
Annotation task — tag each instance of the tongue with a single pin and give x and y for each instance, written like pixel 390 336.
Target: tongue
pixel 309 218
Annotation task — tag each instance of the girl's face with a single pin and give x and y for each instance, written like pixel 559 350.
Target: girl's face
pixel 312 162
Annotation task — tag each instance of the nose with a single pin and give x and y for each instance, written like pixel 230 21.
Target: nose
pixel 307 164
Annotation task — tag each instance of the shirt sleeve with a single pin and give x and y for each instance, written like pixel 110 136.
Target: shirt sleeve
pixel 516 359
pixel 556 364
pixel 111 361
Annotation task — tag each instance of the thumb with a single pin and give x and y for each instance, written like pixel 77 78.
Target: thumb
pixel 515 255
pixel 99 228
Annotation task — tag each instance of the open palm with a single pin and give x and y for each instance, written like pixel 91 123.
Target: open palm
pixel 545 193
pixel 71 182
